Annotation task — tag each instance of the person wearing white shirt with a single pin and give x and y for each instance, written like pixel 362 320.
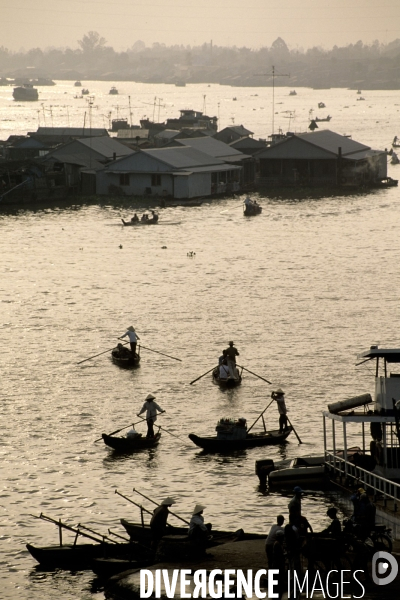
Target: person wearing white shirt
pixel 133 338
pixel 151 409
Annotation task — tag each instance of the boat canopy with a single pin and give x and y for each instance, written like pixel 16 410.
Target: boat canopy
pixel 391 355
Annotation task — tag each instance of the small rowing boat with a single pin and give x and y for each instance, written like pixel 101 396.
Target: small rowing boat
pixel 228 381
pixel 250 210
pixel 123 357
pixel 142 533
pixel 140 222
pixel 130 443
pixel 230 441
pixel 79 556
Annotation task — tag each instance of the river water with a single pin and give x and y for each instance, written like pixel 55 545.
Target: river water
pixel 301 289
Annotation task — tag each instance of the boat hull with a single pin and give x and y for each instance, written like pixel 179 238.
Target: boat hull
pixel 78 556
pixel 134 223
pixel 126 362
pixel 251 212
pixel 133 444
pixel 225 382
pixel 142 534
pixel 213 444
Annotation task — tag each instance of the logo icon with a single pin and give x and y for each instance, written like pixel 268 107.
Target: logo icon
pixel 381 561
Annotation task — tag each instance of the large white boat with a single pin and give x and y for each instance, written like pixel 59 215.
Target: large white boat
pixel 361 438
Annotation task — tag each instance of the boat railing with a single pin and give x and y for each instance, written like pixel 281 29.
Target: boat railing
pixel 385 489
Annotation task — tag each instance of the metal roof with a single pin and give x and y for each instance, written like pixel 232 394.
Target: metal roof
pixel 183 157
pixel 331 141
pixel 106 146
pixel 322 144
pixel 72 131
pixel 213 147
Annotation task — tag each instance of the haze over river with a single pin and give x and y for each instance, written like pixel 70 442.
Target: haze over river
pixel 301 289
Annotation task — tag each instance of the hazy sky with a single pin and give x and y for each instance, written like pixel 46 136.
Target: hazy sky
pixel 26 24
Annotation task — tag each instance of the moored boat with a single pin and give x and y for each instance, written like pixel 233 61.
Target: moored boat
pixel 142 533
pixel 303 471
pixel 25 92
pixel 227 381
pixel 130 443
pixel 320 120
pixel 113 91
pixel 79 556
pixel 123 357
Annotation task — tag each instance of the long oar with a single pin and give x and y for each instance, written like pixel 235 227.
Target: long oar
pixel 99 354
pixel 173 434
pixel 295 432
pixel 157 352
pixel 157 504
pixel 194 380
pixel 260 415
pixel 135 503
pixel 259 376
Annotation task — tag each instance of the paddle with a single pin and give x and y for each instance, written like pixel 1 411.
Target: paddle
pixel 260 415
pixel 173 357
pixel 259 376
pixel 194 380
pixel 295 432
pixel 100 353
pixel 157 504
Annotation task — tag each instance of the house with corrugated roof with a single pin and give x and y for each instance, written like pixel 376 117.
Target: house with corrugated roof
pixel 179 172
pixel 213 147
pixel 79 159
pixel 321 158
pixel 232 133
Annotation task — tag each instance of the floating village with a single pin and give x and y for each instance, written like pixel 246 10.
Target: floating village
pixel 186 161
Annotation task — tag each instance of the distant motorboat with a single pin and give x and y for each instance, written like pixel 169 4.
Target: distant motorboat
pixel 293 93
pixel 113 91
pixel 84 92
pixel 25 92
pixel 358 91
pixel 319 120
pixel 321 105
pixel 360 98
pixel 77 84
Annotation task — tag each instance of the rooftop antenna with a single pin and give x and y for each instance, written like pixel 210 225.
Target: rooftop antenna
pixel 204 105
pixel 38 116
pixel 159 105
pixel 154 107
pixel 273 74
pixel 44 115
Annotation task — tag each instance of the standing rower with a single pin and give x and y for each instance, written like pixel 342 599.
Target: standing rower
pixel 133 338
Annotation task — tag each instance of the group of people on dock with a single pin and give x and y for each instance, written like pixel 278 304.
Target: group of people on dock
pixel 285 543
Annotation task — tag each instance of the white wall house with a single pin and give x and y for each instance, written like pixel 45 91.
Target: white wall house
pixel 181 172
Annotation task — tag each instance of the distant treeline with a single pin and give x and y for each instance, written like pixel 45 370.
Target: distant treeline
pixel 374 66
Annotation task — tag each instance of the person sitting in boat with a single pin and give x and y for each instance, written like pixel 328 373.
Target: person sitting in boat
pixel 154 216
pixel 133 338
pixel 132 433
pixel 158 523
pixel 231 354
pixel 223 371
pixel 279 397
pixel 135 218
pixel 121 352
pixel 145 217
pixel 151 409
pixel 199 531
